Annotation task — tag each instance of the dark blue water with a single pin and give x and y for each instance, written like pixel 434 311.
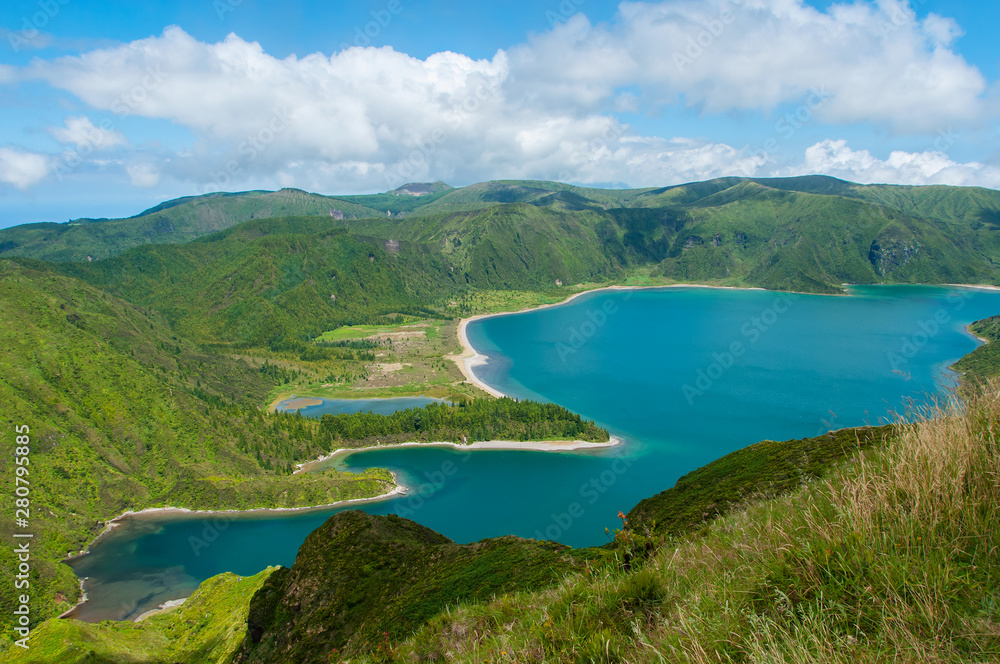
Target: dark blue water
pixel 684 375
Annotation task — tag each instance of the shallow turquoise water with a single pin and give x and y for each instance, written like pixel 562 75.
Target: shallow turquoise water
pixel 341 406
pixel 756 364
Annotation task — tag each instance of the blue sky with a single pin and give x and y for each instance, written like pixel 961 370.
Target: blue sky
pixel 109 108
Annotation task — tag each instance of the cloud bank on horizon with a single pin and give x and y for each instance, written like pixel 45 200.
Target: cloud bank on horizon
pixel 583 102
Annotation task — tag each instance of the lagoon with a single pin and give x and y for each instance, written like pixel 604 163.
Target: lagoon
pixel 684 375
pixel 385 406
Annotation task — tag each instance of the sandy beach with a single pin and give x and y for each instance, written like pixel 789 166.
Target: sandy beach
pixel 985 287
pixel 532 446
pixel 162 608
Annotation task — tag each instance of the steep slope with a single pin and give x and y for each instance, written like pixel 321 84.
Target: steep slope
pixel 176 221
pixel 266 283
pixel 125 414
pixel 800 241
pixel 207 629
pixel 361 582
pixel 983 362
pixel 764 470
pixel 969 207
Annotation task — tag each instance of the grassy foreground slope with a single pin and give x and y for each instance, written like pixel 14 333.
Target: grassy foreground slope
pixel 362 582
pixel 206 629
pixel 124 414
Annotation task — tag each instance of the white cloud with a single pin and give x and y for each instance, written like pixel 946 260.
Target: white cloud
pixel 22 169
pixel 374 118
pixel 81 132
pixel 143 174
pixel 834 157
pixel 881 64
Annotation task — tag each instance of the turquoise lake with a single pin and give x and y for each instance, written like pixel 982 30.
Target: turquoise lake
pixel 342 406
pixel 684 375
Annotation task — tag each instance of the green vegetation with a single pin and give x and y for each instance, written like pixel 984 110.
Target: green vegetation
pixel 180 220
pixel 983 362
pixel 142 375
pixel 207 629
pixel 267 284
pixel 468 422
pixel 767 469
pixel 372 580
pixel 888 557
pixel 124 414
pixel 805 233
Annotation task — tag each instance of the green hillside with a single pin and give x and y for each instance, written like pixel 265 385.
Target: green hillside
pixel 809 233
pixel 362 582
pixel 767 469
pixel 983 362
pixel 125 414
pixel 265 282
pixel 207 629
pixel 176 221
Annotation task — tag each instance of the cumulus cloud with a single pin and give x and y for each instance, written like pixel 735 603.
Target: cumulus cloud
pixel 22 169
pixel 836 158
pixel 375 118
pixel 81 132
pixel 880 62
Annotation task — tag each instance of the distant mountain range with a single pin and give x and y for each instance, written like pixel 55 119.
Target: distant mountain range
pixel 810 233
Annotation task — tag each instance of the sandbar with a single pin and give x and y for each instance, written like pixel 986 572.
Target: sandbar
pixel 302 402
pixel 517 445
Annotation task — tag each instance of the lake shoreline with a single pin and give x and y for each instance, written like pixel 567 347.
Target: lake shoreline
pixel 508 445
pixel 111 524
pixel 470 357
